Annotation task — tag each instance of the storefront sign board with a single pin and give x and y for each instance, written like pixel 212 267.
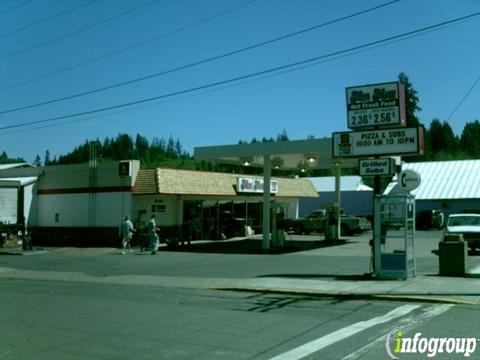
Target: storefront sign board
pixel 254 185
pixel 371 167
pixel 393 141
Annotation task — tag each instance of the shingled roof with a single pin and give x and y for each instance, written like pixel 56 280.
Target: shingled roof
pixel 190 182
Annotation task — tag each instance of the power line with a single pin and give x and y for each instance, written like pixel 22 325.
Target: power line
pixel 142 43
pixel 200 62
pixel 212 90
pixel 4 11
pixel 77 31
pixel 47 18
pixel 463 99
pixel 251 75
pixel 208 91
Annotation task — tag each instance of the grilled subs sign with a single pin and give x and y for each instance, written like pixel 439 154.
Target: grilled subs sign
pixel 371 167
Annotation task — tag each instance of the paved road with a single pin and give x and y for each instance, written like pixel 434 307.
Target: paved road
pixel 66 303
pixel 69 320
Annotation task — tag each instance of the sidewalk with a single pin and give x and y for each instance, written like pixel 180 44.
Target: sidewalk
pixel 424 288
pixel 17 250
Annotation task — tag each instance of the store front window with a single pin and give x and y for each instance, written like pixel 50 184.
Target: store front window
pixel 221 219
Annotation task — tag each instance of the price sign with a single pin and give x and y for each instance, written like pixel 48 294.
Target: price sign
pixel 377 105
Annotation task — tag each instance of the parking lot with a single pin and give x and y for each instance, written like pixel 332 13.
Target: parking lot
pixel 237 258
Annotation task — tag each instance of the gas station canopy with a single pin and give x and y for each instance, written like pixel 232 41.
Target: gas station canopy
pixel 295 154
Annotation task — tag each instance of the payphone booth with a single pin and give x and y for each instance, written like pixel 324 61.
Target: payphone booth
pixel 394 250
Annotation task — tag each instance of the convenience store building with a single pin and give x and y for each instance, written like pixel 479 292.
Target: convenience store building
pixel 83 204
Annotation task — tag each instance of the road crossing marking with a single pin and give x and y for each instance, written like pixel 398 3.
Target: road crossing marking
pixel 475 270
pixel 327 340
pixel 406 324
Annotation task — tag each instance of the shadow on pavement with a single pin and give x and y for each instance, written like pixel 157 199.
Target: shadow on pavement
pixel 250 246
pixel 354 277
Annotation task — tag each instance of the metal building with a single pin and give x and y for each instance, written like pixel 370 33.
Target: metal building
pixel 356 197
pixel 451 186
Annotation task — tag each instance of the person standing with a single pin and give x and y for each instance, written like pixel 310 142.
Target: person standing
pixel 126 232
pixel 152 233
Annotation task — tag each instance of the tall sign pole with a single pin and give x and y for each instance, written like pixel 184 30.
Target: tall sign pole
pixel 376 114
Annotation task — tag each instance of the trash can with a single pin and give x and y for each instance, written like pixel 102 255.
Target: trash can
pixel 452 255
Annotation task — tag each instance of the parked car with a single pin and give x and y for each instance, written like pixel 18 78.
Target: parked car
pixel 429 219
pixel 316 221
pixel 466 224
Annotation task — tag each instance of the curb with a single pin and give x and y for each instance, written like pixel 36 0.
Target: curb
pixel 352 296
pixel 23 253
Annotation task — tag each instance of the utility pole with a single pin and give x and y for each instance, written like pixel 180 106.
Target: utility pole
pixel 92 184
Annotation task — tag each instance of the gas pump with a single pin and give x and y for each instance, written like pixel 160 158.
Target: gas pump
pixel 278 224
pixel 394 235
pixel 332 227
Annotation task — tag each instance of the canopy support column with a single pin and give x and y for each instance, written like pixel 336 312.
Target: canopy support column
pixel 266 202
pixel 338 176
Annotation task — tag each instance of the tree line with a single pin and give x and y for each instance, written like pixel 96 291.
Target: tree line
pixel 5 159
pixel 159 152
pixel 151 153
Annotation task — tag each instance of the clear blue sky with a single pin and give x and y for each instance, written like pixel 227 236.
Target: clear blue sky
pixel 442 66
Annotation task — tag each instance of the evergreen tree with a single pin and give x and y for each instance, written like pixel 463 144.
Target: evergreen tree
pixel 411 101
pixel 470 139
pixel 442 140
pixel 170 151
pixel 4 159
pixel 142 148
pixel 78 155
pixel 282 136
pixel 37 162
pixel 178 148
pixel 157 150
pixel 122 147
pixel 47 158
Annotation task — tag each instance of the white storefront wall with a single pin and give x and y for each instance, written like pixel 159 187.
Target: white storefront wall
pixel 167 209
pixel 72 210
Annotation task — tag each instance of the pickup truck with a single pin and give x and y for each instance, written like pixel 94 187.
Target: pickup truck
pixel 316 221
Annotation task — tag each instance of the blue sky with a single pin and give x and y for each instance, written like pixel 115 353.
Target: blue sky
pixel 442 66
